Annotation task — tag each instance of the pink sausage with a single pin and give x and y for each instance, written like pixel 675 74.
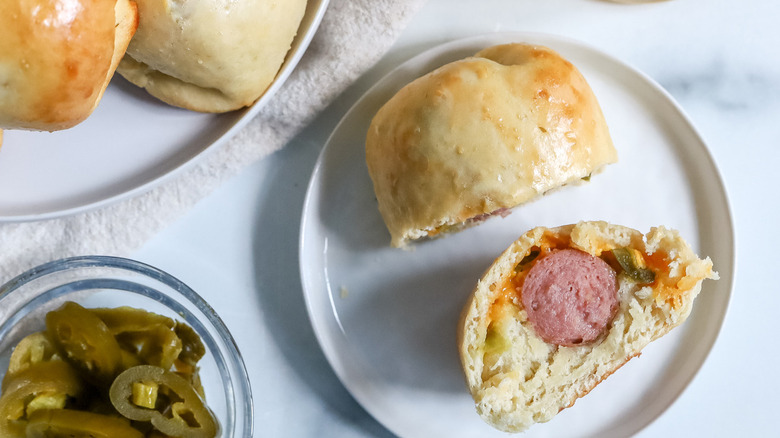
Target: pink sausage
pixel 570 297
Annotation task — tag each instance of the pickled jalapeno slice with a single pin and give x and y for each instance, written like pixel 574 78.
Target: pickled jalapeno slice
pixel 633 265
pixel 32 349
pixel 129 319
pixel 148 335
pixel 42 386
pixel 157 345
pixel 85 340
pixel 193 349
pixel 67 423
pixel 178 409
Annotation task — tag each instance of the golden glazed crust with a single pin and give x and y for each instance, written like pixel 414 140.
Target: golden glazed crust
pixel 483 134
pixel 210 55
pixel 57 58
pixel 516 378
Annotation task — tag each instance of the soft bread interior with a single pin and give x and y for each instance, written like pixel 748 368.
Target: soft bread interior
pixel 516 378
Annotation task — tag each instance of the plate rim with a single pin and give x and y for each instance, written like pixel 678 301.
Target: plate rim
pixel 290 63
pixel 332 356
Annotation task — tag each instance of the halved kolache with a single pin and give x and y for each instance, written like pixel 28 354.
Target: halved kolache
pixel 480 136
pixel 563 308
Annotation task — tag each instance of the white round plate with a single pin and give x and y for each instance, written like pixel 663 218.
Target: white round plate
pixel 386 318
pixel 128 145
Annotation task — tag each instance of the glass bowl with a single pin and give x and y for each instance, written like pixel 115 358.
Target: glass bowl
pixel 98 281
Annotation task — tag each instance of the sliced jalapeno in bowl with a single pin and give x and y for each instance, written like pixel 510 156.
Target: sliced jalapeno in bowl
pixel 67 423
pixel 180 413
pixel 87 341
pixel 40 386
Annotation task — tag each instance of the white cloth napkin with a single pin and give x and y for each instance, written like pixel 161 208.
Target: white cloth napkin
pixel 353 35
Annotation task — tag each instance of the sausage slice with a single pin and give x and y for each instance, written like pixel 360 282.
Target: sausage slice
pixel 570 297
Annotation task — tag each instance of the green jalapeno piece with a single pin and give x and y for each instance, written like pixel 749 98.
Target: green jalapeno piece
pixel 192 351
pixel 179 411
pixel 148 335
pixel 157 345
pixel 129 319
pixel 129 359
pixel 192 347
pixel 155 339
pixel 41 386
pixel 84 340
pixel 67 423
pixel 632 264
pixel 32 349
pixel 532 255
pixel 52 374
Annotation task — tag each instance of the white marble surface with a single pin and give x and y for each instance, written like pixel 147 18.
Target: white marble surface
pixel 719 59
